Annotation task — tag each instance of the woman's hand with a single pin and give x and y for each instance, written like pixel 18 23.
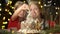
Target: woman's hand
pixel 24 7
pixel 23 10
pixel 18 12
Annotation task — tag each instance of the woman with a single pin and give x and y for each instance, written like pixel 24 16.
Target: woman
pixel 35 11
pixel 34 20
pixel 18 16
pixel 35 14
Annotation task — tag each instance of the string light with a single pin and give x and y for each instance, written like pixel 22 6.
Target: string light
pixel 0 9
pixel 56 8
pixel 10 13
pixel 49 1
pixel 5 22
pixel 0 4
pixel 50 33
pixel 39 2
pixel 12 7
pixel 7 3
pixel 44 4
pixel 8 19
pixel 41 6
pixel 10 2
pixel 24 1
pixel 56 12
pixel 3 26
pixel 6 10
pixel 12 31
pixel 3 18
pixel 0 14
pixel 54 3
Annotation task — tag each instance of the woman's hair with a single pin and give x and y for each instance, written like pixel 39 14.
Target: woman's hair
pixel 36 3
pixel 17 4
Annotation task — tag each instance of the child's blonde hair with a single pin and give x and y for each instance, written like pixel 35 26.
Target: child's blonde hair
pixel 17 4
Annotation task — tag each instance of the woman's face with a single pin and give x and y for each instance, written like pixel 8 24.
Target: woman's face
pixel 34 10
pixel 23 11
pixel 22 14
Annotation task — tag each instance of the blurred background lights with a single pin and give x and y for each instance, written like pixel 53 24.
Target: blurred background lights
pixel 49 1
pixel 10 2
pixel 12 7
pixel 41 6
pixel 56 8
pixel 8 19
pixel 0 4
pixel 54 3
pixel 4 18
pixel 5 22
pixel 44 4
pixel 0 14
pixel 56 12
pixel 3 27
pixel 10 13
pixel 0 9
pixel 12 31
pixel 24 1
pixel 39 2
pixel 6 10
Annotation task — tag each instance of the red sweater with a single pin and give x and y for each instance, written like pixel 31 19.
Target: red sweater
pixel 52 23
pixel 14 24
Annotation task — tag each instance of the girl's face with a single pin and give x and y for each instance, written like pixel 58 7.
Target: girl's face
pixel 34 10
pixel 22 14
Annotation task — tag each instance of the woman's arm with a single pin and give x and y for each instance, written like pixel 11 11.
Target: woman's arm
pixel 15 15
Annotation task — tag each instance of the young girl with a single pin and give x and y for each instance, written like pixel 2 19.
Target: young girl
pixel 18 16
pixel 33 20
